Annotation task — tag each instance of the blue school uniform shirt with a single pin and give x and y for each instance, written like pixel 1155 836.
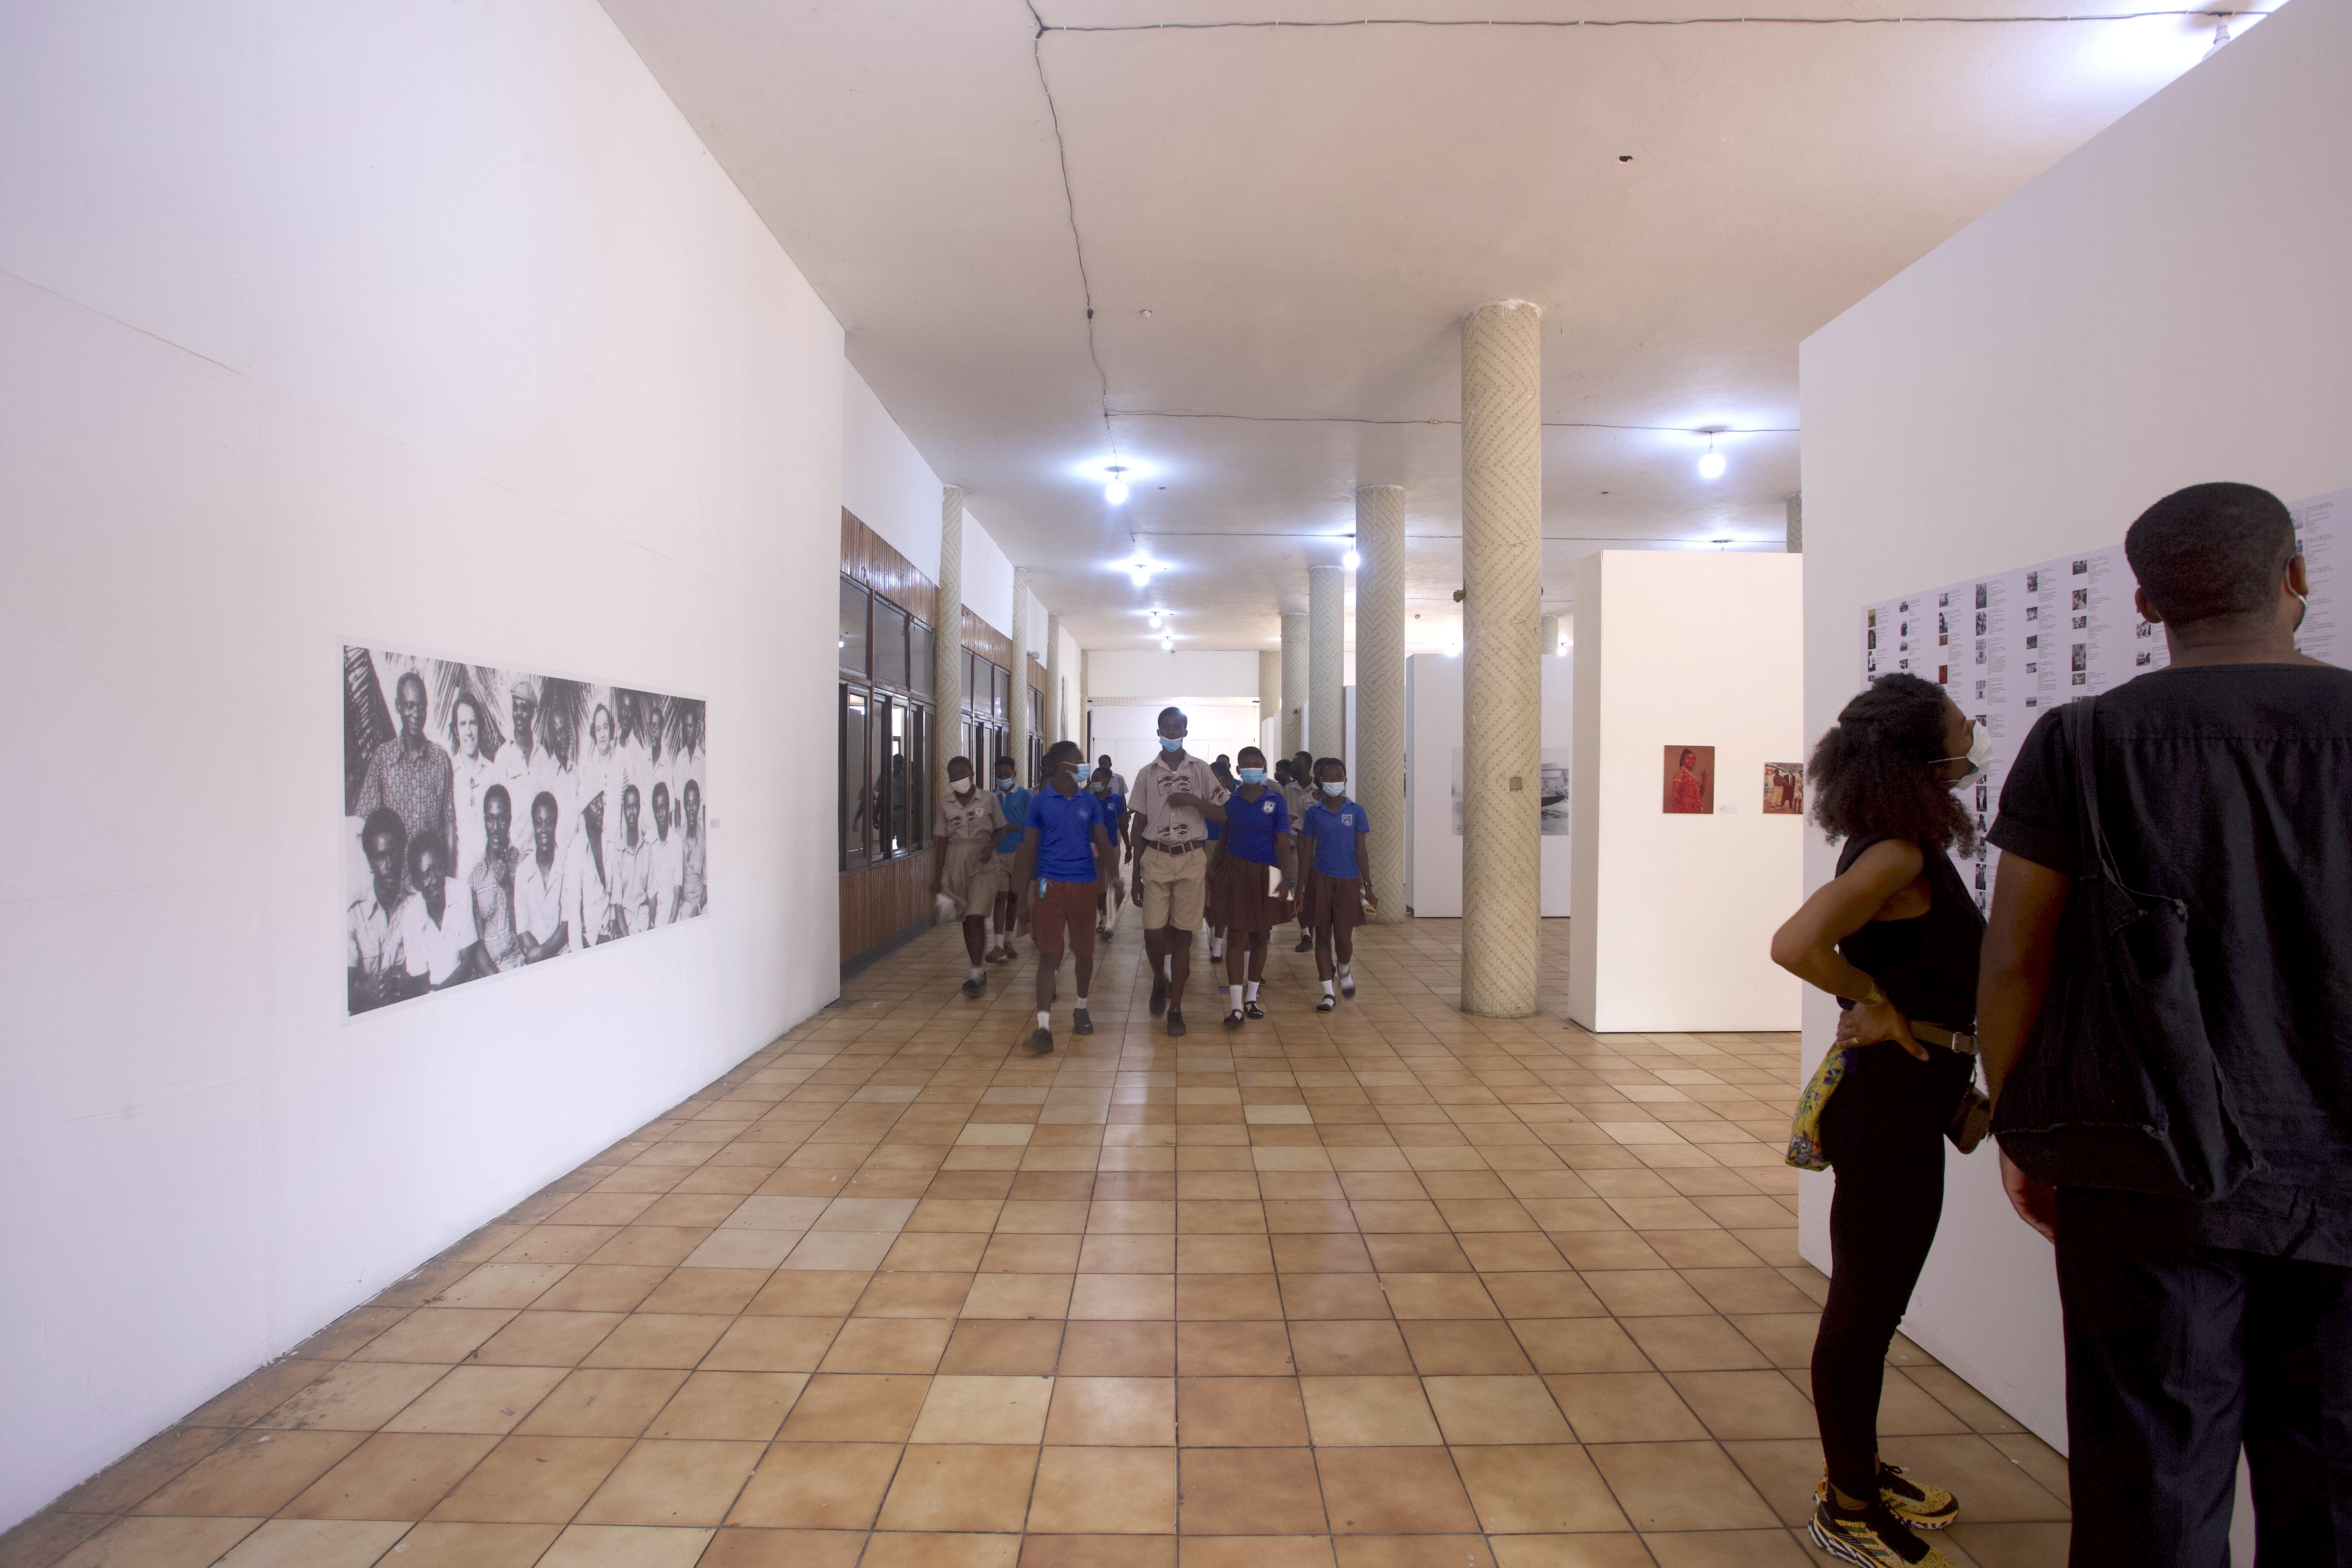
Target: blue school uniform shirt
pixel 1015 802
pixel 1066 824
pixel 1333 826
pixel 1251 825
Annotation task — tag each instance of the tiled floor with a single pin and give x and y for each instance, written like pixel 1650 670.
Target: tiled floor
pixel 1390 1289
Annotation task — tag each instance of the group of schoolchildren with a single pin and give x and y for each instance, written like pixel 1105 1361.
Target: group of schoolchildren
pixel 1206 843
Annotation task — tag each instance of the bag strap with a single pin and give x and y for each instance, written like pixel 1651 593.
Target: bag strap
pixel 2082 717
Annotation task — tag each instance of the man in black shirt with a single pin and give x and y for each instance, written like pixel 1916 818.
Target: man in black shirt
pixel 2225 782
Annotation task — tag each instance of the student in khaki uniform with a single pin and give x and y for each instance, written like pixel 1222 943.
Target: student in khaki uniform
pixel 1174 801
pixel 964 832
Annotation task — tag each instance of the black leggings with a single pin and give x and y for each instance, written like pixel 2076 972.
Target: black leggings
pixel 1883 1131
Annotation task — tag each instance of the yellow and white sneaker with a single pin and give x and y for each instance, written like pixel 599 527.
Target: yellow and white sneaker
pixel 1916 1503
pixel 1871 1539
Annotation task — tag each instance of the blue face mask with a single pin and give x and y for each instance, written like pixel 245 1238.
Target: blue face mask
pixel 1252 775
pixel 1335 789
pixel 1004 786
pixel 1172 742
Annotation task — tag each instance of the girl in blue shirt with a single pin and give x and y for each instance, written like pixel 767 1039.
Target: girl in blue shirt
pixel 1015 802
pixel 1334 827
pixel 1256 841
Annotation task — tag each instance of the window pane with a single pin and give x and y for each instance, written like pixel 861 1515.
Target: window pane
pixel 997 691
pixel 899 746
pixel 889 643
pixel 853 777
pixel 920 802
pixel 854 600
pixel 975 695
pixel 922 654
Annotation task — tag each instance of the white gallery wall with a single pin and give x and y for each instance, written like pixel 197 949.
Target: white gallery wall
pixel 424 326
pixel 1676 913
pixel 2166 306
pixel 1432 836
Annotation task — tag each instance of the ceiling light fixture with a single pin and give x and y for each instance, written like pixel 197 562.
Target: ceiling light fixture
pixel 1710 466
pixel 1352 560
pixel 1139 573
pixel 1115 491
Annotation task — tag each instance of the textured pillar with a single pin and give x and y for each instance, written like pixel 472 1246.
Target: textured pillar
pixel 1020 672
pixel 947 644
pixel 1377 769
pixel 1795 502
pixel 1548 639
pixel 1326 661
pixel 1269 694
pixel 1294 682
pixel 1502 683
pixel 1058 719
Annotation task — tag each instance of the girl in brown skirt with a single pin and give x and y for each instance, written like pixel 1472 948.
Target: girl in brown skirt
pixel 1242 901
pixel 1333 832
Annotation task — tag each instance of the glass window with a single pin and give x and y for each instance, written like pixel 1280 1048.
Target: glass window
pixel 998 690
pixel 854 776
pixel 919 775
pixel 922 657
pixel 897 737
pixel 975 694
pixel 889 643
pixel 854 602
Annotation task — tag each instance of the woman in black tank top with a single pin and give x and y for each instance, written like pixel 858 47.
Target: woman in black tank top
pixel 1895 936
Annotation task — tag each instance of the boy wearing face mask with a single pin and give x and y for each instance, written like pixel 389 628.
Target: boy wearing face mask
pixel 1013 802
pixel 1334 905
pixel 965 829
pixel 1104 787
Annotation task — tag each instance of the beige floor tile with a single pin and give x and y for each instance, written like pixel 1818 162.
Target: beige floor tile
pixel 605 1546
pixel 1105 1490
pixel 315 1543
pixel 975 1409
pixel 162 1542
pixel 948 1487
pixel 431 1545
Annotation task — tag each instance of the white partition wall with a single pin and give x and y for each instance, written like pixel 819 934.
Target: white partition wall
pixel 2166 306
pixel 1432 848
pixel 1675 912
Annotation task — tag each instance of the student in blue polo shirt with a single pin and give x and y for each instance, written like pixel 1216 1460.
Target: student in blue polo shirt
pixel 1064 852
pixel 1112 894
pixel 1242 901
pixel 1014 801
pixel 1334 906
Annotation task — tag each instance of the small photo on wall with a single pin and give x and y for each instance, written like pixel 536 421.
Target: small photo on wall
pixel 1690 781
pixel 1784 789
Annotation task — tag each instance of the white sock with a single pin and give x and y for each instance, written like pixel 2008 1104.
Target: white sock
pixel 1236 993
pixel 1160 966
pixel 979 971
pixel 1081 1002
pixel 1343 972
pixel 1252 990
pixel 1044 1020
pixel 1327 988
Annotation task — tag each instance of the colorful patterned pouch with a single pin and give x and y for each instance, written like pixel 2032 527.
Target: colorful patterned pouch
pixel 1805 1128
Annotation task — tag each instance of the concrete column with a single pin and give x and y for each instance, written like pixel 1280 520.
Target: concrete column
pixel 1293 681
pixel 1548 639
pixel 1057 720
pixel 1795 502
pixel 1326 661
pixel 1377 769
pixel 1502 683
pixel 947 644
pixel 1020 672
pixel 1269 692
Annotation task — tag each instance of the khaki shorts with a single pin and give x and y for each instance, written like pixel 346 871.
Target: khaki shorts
pixel 1175 888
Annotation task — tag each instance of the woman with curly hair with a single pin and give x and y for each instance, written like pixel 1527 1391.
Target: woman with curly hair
pixel 1895 937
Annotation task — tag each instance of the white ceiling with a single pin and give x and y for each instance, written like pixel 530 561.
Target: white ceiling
pixel 1306 212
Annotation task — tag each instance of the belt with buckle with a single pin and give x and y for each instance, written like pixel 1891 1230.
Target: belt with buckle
pixel 1185 848
pixel 1950 1039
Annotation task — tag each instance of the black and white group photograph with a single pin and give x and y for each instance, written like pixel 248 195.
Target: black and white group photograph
pixel 494 819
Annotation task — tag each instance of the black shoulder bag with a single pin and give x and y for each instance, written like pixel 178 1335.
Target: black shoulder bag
pixel 2118 1087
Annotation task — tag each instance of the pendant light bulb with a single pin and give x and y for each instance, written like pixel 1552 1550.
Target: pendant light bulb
pixel 1710 466
pixel 1116 491
pixel 1352 560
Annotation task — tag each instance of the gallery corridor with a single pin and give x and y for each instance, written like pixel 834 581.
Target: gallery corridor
pixel 1393 1287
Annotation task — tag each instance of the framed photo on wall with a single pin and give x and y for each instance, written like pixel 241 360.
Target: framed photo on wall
pixel 1784 789
pixel 1690 781
pixel 494 819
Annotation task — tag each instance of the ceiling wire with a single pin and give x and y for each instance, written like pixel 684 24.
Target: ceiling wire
pixel 1357 419
pixel 1614 21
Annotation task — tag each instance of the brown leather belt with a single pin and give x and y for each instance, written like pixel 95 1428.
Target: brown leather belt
pixel 1950 1039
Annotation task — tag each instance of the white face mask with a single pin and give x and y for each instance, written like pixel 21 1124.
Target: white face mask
pixel 962 786
pixel 1979 757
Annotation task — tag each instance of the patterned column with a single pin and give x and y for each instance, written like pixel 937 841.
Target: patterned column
pixel 1502 683
pixel 1548 639
pixel 1057 721
pixel 947 643
pixel 1795 502
pixel 1326 661
pixel 1269 693
pixel 1377 769
pixel 1021 671
pixel 1293 681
